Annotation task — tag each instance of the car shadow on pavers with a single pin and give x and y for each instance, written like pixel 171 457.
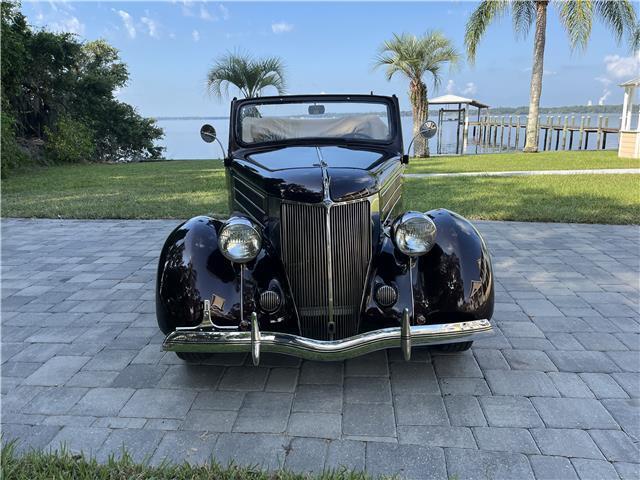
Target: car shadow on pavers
pixel 554 393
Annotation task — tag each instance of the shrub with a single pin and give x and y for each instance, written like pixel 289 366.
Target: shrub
pixel 71 141
pixel 11 155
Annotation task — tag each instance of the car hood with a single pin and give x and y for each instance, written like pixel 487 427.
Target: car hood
pixel 296 173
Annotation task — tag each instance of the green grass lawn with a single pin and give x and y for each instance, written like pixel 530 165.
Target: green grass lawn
pixel 38 465
pixel 175 189
pixel 182 189
pixel 613 199
pixel 573 160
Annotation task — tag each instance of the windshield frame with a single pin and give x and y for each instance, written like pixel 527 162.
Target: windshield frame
pixel 235 140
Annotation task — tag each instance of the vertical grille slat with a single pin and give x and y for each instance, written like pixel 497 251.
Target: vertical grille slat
pixel 305 256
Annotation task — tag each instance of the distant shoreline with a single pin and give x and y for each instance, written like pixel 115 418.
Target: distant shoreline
pixel 569 109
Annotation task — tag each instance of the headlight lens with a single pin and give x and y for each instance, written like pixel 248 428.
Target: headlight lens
pixel 239 240
pixel 414 234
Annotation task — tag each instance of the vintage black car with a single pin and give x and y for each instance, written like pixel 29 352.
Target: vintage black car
pixel 318 258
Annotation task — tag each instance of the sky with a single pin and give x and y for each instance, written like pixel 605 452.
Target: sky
pixel 329 47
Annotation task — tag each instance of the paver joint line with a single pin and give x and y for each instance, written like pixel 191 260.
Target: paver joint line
pixel 556 391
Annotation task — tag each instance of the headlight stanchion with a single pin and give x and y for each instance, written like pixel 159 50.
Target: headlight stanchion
pixel 240 242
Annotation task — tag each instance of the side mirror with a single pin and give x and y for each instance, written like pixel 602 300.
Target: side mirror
pixel 428 129
pixel 208 133
pixel 316 109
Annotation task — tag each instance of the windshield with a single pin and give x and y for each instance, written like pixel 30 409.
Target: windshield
pixel 347 120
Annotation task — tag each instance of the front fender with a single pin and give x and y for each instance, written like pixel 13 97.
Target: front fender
pixel 192 269
pixel 455 277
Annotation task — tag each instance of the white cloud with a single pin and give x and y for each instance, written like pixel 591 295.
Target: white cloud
pixel 281 27
pixel 127 21
pixel 470 89
pixel 622 67
pixel 152 26
pixel 224 11
pixel 617 68
pixel 451 86
pixel 206 15
pixel 71 25
pixel 59 18
pixel 589 103
pixel 195 35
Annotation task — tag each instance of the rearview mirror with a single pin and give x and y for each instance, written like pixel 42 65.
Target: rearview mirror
pixel 428 129
pixel 208 133
pixel 316 109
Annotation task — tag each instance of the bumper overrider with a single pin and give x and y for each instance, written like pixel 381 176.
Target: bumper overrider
pixel 255 341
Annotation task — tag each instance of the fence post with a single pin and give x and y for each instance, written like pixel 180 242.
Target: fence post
pixel 604 132
pixel 586 131
pixel 581 135
pixel 495 133
pixel 599 133
pixel 517 132
pixel 573 126
pixel 501 131
pixel 509 132
pixel 564 133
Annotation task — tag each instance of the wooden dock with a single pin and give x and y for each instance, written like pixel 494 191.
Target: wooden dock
pixel 508 132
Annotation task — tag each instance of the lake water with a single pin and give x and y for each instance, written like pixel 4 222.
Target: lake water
pixel 182 136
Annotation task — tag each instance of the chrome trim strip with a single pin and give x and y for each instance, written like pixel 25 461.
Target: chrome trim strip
pixel 247 184
pixel 250 201
pixel 327 350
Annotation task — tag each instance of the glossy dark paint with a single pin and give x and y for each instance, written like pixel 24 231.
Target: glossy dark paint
pixel 452 282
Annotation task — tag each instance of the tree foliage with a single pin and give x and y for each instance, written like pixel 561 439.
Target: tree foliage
pixel 414 57
pixel 250 75
pixel 51 81
pixel 576 16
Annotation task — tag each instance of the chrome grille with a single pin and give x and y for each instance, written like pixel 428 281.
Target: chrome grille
pixel 327 289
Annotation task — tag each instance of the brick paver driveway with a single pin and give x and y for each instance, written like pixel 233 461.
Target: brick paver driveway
pixel 554 394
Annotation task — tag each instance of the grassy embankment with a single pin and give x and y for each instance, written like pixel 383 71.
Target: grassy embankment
pixel 181 189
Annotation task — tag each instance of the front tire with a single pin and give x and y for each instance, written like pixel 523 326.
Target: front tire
pixel 193 357
pixel 454 347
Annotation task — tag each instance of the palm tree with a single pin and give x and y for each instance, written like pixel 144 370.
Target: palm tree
pixel 575 15
pixel 250 75
pixel 414 57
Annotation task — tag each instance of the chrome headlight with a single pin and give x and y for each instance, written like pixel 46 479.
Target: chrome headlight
pixel 239 240
pixel 414 233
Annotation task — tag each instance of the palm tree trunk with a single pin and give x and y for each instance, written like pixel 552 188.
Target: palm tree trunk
pixel 420 107
pixel 536 76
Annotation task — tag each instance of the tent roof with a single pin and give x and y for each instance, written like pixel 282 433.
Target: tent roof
pixel 631 83
pixel 451 99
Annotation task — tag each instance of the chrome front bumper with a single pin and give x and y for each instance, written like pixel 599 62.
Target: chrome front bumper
pixel 255 341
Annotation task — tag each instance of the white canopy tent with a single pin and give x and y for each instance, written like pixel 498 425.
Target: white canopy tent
pixel 463 104
pixel 629 144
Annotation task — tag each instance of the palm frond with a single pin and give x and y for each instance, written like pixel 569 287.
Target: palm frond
pixel 634 39
pixel 576 17
pixel 249 75
pixel 485 14
pixel 618 16
pixel 523 16
pixel 415 56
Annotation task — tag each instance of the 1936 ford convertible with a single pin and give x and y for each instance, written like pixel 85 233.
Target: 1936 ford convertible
pixel 318 258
